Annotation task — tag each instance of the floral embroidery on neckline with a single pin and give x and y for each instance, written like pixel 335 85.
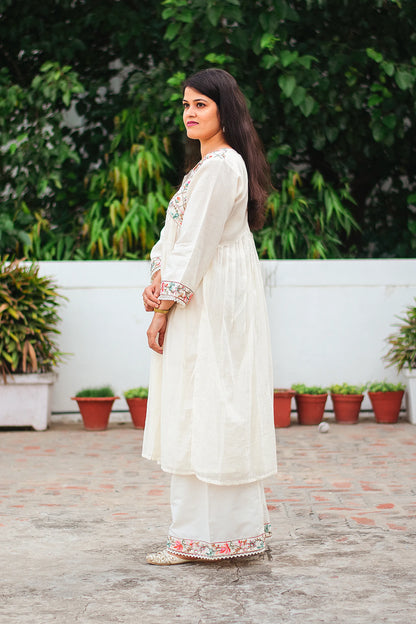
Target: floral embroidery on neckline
pixel 177 204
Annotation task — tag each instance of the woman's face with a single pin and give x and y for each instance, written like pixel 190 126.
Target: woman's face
pixel 200 116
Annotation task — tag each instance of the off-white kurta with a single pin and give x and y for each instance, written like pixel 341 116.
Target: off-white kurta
pixel 210 407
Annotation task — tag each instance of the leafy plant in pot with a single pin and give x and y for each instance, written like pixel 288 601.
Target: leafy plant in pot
pixel 28 351
pixel 95 405
pixel 282 406
pixel 310 403
pixel 386 399
pixel 347 401
pixel 136 399
pixel 402 355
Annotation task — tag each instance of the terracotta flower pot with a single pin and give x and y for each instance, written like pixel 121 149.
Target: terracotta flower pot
pixel 310 408
pixel 386 405
pixel 95 411
pixel 137 409
pixel 347 407
pixel 282 407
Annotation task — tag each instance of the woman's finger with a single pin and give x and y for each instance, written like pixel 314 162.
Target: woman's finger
pixel 156 333
pixel 161 337
pixel 150 297
pixel 154 345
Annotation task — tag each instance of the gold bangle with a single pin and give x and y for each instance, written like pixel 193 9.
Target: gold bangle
pixel 160 311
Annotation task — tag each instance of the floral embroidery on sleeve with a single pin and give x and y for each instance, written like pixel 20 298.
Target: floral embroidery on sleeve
pixel 154 266
pixel 176 291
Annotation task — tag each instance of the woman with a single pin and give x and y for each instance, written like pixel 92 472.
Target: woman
pixel 210 417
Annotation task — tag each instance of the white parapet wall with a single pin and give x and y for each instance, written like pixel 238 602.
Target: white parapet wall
pixel 329 320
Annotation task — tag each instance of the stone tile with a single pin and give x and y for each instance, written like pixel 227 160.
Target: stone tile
pixel 80 510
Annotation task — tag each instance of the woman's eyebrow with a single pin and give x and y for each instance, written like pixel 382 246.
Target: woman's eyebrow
pixel 195 100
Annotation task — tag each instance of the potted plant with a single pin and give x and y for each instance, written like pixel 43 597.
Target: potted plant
pixel 28 352
pixel 95 406
pixel 386 399
pixel 282 406
pixel 347 401
pixel 310 403
pixel 402 355
pixel 136 399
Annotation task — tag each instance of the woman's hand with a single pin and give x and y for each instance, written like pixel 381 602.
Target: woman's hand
pixel 156 332
pixel 151 294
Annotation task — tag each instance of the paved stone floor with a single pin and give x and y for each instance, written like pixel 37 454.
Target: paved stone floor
pixel 79 511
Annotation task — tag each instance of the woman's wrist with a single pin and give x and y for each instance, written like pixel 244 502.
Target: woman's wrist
pixel 164 307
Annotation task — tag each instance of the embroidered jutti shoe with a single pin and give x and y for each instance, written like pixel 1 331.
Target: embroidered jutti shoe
pixel 164 558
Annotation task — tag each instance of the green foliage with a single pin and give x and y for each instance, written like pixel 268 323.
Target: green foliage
pixel 306 223
pixel 129 198
pixel 384 386
pixel 137 393
pixel 331 88
pixel 104 392
pixel 33 153
pixel 302 389
pixel 28 320
pixel 104 42
pixel 347 389
pixel 402 351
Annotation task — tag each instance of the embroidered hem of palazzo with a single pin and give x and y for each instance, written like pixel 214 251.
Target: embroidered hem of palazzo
pixel 214 522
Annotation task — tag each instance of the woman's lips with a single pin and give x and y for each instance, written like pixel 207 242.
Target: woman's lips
pixel 191 123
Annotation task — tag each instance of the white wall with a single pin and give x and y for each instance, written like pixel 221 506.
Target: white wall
pixel 329 320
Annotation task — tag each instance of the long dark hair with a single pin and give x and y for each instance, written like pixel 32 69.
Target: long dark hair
pixel 240 134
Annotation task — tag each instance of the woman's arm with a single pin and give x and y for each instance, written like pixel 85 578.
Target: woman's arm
pixel 211 200
pixel 157 328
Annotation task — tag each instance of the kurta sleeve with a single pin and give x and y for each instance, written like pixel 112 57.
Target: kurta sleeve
pixel 156 257
pixel 211 198
pixel 157 254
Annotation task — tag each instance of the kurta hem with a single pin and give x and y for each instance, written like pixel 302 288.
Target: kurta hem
pixel 221 481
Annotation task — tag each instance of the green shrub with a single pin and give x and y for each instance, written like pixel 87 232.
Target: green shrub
pixel 403 343
pixel 105 391
pixel 385 386
pixel 28 320
pixel 347 389
pixel 136 393
pixel 308 222
pixel 128 197
pixel 302 389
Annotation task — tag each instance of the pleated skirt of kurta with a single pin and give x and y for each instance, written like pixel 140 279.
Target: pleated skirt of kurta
pixel 210 407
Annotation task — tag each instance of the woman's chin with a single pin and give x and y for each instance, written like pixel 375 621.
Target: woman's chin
pixel 192 134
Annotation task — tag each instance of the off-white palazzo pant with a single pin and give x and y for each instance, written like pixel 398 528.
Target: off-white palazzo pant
pixel 217 521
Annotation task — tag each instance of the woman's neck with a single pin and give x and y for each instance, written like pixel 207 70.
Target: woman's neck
pixel 213 144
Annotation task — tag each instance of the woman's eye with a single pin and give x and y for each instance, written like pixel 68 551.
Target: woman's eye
pixel 185 105
pixel 200 104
